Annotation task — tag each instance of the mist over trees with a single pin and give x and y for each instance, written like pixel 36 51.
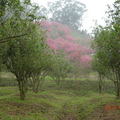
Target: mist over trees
pixel 68 12
pixel 60 38
pixel 64 31
pixel 39 44
pixel 52 69
pixel 30 45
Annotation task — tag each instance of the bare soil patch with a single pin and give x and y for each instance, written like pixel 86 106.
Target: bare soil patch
pixel 13 108
pixel 112 113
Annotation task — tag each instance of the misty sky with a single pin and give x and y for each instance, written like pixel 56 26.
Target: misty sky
pixel 96 11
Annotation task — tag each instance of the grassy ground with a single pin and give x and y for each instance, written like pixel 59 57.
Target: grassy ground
pixel 75 100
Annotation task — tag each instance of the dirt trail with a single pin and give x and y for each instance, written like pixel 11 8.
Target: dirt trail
pixel 107 112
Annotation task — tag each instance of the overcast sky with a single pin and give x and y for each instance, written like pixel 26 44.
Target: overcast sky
pixel 95 11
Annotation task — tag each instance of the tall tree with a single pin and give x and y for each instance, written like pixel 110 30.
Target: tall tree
pixel 22 38
pixel 68 12
pixel 107 47
pixel 22 55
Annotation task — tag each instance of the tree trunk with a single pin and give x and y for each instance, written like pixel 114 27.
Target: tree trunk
pixel 35 85
pixel 22 88
pixel 118 93
pixel 100 84
pixel 22 95
pixel 118 85
pixel 118 90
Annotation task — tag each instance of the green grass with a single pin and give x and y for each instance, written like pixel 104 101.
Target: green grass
pixel 49 105
pixel 75 99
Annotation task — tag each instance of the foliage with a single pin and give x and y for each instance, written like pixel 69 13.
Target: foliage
pixel 13 16
pixel 60 68
pixel 41 68
pixel 21 57
pixel 24 39
pixel 60 38
pixel 68 12
pixel 107 47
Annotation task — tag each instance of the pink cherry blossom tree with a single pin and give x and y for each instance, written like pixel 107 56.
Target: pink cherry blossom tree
pixel 59 37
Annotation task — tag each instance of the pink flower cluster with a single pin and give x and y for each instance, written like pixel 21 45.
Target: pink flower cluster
pixel 59 37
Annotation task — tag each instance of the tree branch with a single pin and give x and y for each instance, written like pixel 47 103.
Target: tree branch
pixel 3 40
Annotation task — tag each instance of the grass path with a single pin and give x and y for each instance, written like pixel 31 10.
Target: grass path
pixel 76 100
pixel 49 105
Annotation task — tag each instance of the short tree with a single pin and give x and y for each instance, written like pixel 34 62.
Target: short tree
pixel 107 46
pixel 21 57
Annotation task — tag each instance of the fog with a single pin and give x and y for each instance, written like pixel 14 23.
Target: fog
pixel 60 61
pixel 95 11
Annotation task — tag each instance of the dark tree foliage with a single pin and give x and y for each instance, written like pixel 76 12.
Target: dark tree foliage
pixel 13 14
pixel 22 40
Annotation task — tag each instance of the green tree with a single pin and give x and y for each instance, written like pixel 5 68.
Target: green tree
pixel 68 12
pixel 107 48
pixel 40 69
pixel 13 14
pixel 14 17
pixel 101 70
pixel 21 57
pixel 19 36
pixel 60 68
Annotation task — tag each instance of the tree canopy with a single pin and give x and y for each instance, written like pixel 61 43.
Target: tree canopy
pixel 107 48
pixel 68 12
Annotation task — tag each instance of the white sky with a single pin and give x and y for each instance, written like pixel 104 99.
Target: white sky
pixel 95 11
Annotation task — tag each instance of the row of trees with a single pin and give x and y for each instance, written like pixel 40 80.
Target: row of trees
pixel 22 41
pixel 107 47
pixel 23 48
pixel 33 48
